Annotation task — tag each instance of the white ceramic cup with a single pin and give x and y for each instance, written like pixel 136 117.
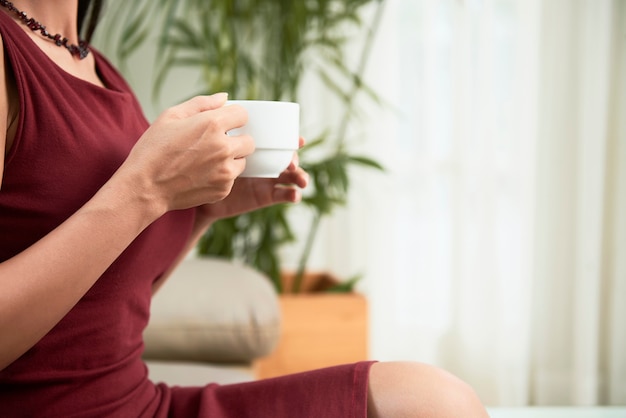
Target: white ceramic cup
pixel 275 128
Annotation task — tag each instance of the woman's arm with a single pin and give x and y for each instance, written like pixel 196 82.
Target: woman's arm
pixel 183 160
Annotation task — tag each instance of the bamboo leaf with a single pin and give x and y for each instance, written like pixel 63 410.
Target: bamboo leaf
pixel 346 286
pixel 367 162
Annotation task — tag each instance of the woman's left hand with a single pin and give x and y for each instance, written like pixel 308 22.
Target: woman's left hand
pixel 249 194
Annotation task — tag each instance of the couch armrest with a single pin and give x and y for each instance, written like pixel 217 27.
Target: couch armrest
pixel 214 311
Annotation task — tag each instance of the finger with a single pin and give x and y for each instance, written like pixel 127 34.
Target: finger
pixel 230 117
pixel 240 166
pixel 295 162
pixel 243 146
pixel 297 177
pixel 199 104
pixel 219 121
pixel 286 194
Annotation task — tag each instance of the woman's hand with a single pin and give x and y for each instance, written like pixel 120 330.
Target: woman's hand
pixel 186 159
pixel 249 194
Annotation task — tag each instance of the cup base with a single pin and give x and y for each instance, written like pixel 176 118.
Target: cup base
pixel 267 163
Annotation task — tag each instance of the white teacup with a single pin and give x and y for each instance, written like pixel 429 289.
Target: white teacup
pixel 275 128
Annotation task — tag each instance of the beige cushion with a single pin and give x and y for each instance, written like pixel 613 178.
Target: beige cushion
pixel 194 374
pixel 213 311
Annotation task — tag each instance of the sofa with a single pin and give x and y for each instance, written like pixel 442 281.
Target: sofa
pixel 209 323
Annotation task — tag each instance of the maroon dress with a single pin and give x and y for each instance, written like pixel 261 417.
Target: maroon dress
pixel 71 137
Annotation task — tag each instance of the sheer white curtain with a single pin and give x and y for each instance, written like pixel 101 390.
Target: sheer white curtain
pixel 579 333
pixel 494 246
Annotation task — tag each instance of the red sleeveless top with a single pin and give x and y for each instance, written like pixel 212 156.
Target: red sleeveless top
pixel 72 136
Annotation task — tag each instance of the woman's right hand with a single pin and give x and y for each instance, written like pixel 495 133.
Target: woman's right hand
pixel 185 158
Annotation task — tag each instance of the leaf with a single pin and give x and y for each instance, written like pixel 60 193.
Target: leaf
pixel 346 286
pixel 366 161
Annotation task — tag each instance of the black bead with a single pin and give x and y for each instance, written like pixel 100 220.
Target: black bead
pixel 81 50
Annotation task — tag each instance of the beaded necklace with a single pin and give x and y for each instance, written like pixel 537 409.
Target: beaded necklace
pixel 81 50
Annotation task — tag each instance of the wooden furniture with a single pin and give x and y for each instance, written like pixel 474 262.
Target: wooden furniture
pixel 318 330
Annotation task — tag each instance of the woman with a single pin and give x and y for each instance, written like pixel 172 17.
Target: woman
pixel 97 207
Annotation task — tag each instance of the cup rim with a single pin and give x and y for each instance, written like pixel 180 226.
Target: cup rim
pixel 261 101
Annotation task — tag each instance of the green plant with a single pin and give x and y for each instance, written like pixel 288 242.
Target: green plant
pixel 261 49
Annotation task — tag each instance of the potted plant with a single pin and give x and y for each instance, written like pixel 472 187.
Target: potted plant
pixel 262 49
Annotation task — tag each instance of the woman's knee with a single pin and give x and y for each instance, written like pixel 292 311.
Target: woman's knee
pixel 407 389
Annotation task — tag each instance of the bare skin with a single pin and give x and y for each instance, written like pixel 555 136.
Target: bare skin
pixel 415 390
pixel 183 160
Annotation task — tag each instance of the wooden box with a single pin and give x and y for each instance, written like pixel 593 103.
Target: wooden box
pixel 319 329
